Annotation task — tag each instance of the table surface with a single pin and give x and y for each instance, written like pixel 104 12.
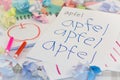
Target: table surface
pixel 106 75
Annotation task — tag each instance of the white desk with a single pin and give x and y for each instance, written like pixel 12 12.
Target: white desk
pixel 107 75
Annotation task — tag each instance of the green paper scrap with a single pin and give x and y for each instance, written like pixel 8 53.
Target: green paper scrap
pixel 21 16
pixel 1 50
pixel 53 9
pixel 81 7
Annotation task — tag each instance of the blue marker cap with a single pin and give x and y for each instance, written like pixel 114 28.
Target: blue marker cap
pixel 93 72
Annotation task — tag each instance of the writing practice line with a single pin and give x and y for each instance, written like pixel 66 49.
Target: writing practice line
pixel 27 46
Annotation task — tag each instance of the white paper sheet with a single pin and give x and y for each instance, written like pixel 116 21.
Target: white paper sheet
pixel 76 36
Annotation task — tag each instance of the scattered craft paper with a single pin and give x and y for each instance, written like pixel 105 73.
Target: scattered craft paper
pixel 111 6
